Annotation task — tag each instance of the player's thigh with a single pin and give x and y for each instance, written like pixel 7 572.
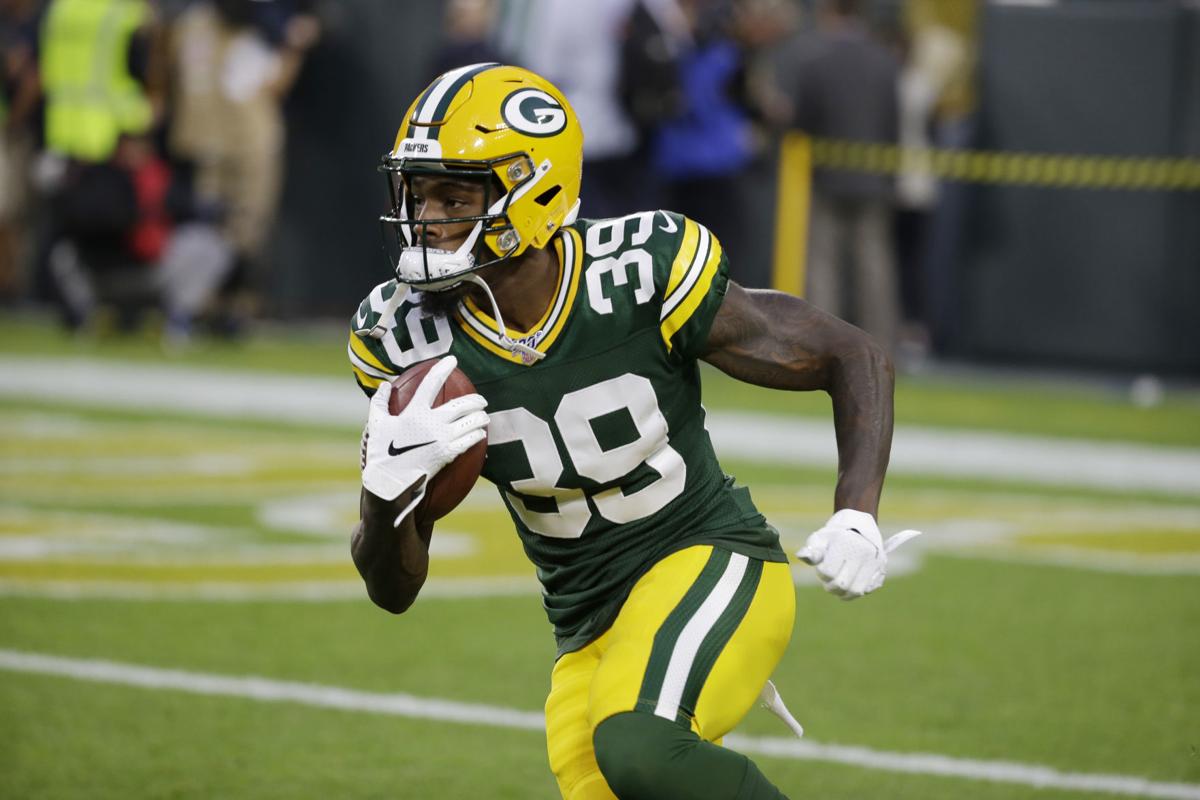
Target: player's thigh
pixel 626 646
pixel 750 656
pixel 669 651
pixel 568 732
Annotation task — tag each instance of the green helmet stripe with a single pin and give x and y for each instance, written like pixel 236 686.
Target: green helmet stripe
pixel 436 100
pixel 412 129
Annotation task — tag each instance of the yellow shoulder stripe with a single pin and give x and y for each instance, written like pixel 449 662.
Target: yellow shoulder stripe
pixel 360 349
pixel 683 312
pixel 683 258
pixel 366 380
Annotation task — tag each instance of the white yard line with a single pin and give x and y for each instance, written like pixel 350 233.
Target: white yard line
pixel 737 435
pixel 405 705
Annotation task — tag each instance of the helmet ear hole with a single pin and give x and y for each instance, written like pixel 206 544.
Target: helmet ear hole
pixel 546 197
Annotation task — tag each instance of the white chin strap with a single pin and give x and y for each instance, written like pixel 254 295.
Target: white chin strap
pixel 512 345
pixel 378 330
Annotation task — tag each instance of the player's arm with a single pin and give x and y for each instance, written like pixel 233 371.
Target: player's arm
pixel 392 559
pixel 780 341
pixel 400 454
pixel 777 340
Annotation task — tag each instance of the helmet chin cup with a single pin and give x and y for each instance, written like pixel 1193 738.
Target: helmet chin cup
pixel 432 269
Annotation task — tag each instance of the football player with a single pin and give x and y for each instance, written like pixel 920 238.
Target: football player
pixel 670 596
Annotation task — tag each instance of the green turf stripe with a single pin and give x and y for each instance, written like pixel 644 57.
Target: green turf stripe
pixel 717 638
pixel 668 633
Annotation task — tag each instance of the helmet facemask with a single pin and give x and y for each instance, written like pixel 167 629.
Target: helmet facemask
pixel 492 239
pixel 433 269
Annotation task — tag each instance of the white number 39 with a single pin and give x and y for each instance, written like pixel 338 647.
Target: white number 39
pixel 573 419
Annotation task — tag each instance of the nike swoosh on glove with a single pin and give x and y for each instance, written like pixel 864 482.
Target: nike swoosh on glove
pixel 849 554
pixel 400 450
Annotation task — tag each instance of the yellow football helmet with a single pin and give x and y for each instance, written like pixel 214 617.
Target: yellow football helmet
pixel 505 126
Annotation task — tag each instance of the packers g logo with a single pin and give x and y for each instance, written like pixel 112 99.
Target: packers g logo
pixel 533 112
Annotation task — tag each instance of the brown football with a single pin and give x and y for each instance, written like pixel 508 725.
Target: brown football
pixel 448 488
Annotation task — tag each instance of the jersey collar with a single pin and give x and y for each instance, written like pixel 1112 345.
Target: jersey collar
pixel 480 326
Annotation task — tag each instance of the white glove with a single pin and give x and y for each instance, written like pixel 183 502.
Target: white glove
pixel 849 554
pixel 401 449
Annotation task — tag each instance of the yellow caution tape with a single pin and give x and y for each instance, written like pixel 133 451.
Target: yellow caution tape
pixel 799 154
pixel 1004 168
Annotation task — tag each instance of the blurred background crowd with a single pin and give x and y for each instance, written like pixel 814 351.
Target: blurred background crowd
pixel 196 165
pixel 143 155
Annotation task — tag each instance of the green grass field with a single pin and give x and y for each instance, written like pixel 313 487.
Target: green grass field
pixel 1046 628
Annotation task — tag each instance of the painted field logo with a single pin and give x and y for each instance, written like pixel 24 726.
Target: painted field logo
pixel 534 112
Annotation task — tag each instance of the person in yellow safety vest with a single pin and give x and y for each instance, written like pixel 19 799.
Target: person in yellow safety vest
pixel 91 97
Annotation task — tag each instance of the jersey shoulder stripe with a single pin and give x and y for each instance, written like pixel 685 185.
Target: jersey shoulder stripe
pixel 684 256
pixel 366 366
pixel 679 305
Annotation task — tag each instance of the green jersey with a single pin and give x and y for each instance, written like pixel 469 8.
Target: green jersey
pixel 599 448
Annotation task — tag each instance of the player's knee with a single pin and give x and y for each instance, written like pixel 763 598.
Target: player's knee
pixel 634 751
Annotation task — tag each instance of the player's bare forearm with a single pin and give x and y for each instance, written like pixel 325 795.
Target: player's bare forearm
pixel 393 560
pixel 780 341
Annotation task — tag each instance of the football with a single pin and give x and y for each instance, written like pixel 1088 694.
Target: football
pixel 448 488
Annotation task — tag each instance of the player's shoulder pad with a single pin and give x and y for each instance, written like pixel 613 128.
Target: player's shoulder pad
pixel 667 236
pixel 679 267
pixel 656 231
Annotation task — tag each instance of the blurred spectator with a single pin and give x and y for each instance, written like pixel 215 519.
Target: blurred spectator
pixel 105 184
pixel 936 85
pixel 846 89
pixel 937 105
pixel 229 83
pixel 113 226
pixel 195 262
pixel 577 46
pixel 20 91
pixel 467 29
pixel 704 136
pixel 763 28
pixel 95 64
pixel 131 238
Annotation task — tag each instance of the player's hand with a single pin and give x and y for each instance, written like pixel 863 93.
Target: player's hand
pixel 400 450
pixel 849 554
